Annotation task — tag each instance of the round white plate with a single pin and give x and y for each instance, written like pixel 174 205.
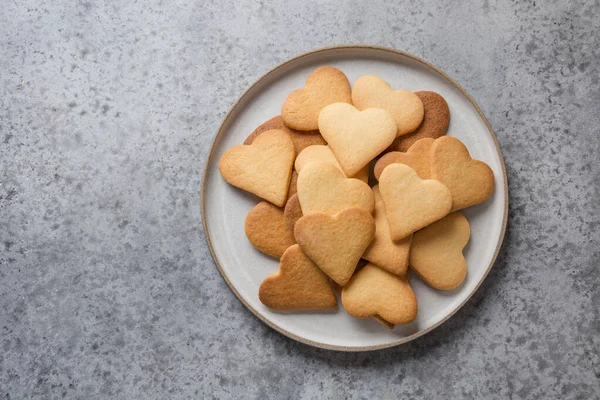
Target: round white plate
pixel 224 207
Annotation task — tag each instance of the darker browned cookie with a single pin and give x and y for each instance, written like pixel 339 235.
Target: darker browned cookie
pixel 301 139
pixel 435 121
pixel 293 185
pixel 292 213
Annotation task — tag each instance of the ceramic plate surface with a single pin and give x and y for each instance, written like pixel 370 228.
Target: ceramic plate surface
pixel 224 207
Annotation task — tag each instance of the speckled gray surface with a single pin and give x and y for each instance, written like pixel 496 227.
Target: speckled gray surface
pixel 107 288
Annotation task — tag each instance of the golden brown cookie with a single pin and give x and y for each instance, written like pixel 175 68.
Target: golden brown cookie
pixel 470 181
pixel 292 213
pixel 410 202
pixel 406 107
pixel 417 157
pixel 374 291
pixel 325 85
pixel 356 137
pixel 324 153
pixel 263 168
pixel 436 252
pixel 435 121
pixel 322 187
pixel 338 289
pixel 385 253
pixel 266 229
pixel 298 285
pixel 293 188
pixel 301 139
pixel 336 243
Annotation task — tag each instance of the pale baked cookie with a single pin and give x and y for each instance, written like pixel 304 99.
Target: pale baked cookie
pixel 322 187
pixel 266 229
pixel 435 121
pixel 298 285
pixel 385 253
pixel 374 291
pixel 301 139
pixel 292 213
pixel 324 153
pixel 470 181
pixel 410 202
pixel 324 86
pixel 263 168
pixel 356 137
pixel 417 157
pixel 336 243
pixel 405 106
pixel 436 252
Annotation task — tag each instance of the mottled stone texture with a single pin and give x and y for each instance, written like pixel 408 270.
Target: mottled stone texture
pixel 107 287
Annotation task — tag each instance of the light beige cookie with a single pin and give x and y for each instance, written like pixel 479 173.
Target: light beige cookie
pixel 385 253
pixel 262 168
pixel 301 139
pixel 325 85
pixel 410 202
pixel 406 107
pixel 417 157
pixel 470 181
pixel 322 187
pixel 436 252
pixel 292 213
pixel 298 285
pixel 435 121
pixel 356 137
pixel 324 153
pixel 374 291
pixel 266 229
pixel 336 243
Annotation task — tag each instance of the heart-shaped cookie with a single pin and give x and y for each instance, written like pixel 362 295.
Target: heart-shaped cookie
pixel 470 181
pixel 266 229
pixel 338 289
pixel 417 157
pixel 410 202
pixel 262 168
pixel 356 137
pixel 406 107
pixel 298 285
pixel 292 213
pixel 435 121
pixel 336 243
pixel 374 291
pixel 324 153
pixel 322 187
pixel 301 139
pixel 385 253
pixel 436 252
pixel 324 86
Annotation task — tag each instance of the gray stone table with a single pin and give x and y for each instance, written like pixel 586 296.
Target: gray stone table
pixel 107 287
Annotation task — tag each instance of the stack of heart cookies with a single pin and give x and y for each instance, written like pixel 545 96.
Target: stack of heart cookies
pixel 331 230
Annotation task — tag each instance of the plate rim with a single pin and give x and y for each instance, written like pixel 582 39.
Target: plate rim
pixel 210 156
